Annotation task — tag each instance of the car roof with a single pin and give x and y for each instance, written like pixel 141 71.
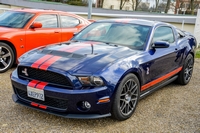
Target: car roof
pixel 38 11
pixel 134 21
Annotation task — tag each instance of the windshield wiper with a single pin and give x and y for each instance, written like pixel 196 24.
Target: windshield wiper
pixel 111 44
pixel 108 43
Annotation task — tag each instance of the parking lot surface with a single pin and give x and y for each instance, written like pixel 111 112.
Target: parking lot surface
pixel 174 108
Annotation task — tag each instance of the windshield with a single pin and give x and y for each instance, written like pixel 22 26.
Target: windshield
pixel 15 19
pixel 131 35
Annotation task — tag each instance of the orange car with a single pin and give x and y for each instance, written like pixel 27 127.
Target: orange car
pixel 24 29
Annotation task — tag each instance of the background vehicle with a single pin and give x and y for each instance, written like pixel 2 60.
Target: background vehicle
pixel 105 69
pixel 24 29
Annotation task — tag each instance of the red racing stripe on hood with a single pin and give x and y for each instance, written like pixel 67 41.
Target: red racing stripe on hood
pixel 52 60
pixel 40 61
pixel 37 63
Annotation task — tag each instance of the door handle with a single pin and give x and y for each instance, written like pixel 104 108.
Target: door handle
pixel 56 31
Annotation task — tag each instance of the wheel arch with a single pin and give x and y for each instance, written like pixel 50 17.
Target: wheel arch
pixel 134 71
pixel 192 53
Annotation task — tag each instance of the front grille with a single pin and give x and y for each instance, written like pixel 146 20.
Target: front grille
pixel 49 101
pixel 44 76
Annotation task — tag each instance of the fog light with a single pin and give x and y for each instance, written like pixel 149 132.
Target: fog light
pixel 83 106
pixel 86 104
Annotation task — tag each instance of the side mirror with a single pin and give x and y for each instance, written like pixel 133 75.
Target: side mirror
pixel 36 25
pixel 160 44
pixel 75 33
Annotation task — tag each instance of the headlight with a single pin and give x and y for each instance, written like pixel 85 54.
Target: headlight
pixel 91 81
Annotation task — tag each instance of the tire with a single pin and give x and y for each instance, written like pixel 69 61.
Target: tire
pixel 6 57
pixel 126 98
pixel 186 73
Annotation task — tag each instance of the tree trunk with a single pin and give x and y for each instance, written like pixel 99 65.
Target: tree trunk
pixel 192 7
pixel 133 5
pixel 167 6
pixel 102 1
pixel 137 2
pixel 157 2
pixel 122 3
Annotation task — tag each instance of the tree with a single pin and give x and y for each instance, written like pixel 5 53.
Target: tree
pixel 143 6
pixel 76 2
pixel 137 2
pixel 133 5
pixel 193 5
pixel 167 6
pixel 122 3
pixel 100 3
pixel 157 3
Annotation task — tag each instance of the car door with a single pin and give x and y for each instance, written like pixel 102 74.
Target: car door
pixel 49 33
pixel 69 25
pixel 164 61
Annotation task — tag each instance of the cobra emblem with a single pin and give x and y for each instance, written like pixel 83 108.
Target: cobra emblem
pixel 25 71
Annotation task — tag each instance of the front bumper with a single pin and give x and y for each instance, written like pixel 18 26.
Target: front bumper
pixel 76 116
pixel 64 102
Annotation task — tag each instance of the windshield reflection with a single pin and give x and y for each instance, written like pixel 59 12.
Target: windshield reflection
pixel 15 19
pixel 131 35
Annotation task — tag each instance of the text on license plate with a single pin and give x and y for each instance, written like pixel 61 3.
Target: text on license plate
pixel 35 93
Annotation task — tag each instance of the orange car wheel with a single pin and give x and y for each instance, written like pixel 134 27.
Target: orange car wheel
pixel 6 57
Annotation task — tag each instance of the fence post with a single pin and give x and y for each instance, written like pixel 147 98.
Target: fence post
pixel 89 9
pixel 197 28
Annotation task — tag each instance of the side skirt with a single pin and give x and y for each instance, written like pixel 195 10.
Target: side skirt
pixel 156 87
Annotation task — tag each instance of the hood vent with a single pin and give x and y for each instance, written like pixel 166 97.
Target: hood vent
pixel 63 54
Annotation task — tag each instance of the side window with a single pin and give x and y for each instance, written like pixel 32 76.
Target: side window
pixel 163 33
pixel 48 20
pixel 68 22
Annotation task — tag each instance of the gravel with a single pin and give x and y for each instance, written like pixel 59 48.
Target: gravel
pixel 174 108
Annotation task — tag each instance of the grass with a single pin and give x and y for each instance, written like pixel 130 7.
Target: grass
pixel 197 53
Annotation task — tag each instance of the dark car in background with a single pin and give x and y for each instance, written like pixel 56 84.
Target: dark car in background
pixel 105 69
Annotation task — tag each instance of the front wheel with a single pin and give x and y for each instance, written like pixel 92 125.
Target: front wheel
pixel 6 57
pixel 126 98
pixel 186 72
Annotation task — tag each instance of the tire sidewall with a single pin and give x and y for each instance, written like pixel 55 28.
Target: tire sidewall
pixel 116 113
pixel 181 77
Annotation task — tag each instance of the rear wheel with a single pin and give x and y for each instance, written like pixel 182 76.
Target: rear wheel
pixel 186 72
pixel 126 98
pixel 6 57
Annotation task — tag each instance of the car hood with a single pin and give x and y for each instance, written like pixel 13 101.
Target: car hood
pixel 77 57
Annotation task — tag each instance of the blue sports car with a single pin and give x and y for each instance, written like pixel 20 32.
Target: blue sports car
pixel 104 69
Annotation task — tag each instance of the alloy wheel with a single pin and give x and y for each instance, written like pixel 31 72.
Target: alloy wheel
pixel 5 58
pixel 128 97
pixel 188 69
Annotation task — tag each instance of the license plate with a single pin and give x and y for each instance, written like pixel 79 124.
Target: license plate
pixel 35 93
